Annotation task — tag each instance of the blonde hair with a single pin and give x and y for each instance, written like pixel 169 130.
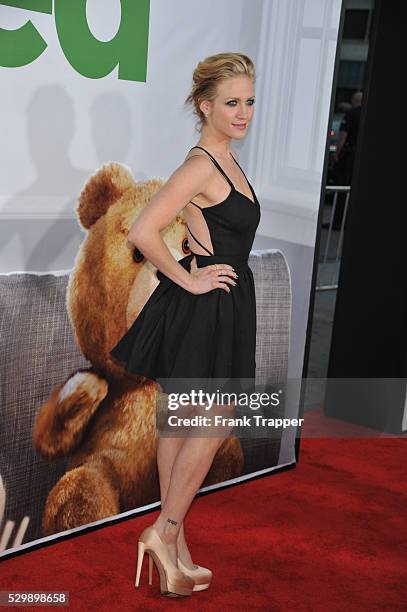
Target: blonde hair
pixel 210 72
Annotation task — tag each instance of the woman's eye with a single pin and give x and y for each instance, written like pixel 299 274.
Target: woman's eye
pixel 233 102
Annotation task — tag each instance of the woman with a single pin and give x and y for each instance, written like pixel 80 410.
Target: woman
pixel 202 315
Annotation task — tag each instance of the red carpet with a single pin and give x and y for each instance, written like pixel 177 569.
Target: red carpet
pixel 329 534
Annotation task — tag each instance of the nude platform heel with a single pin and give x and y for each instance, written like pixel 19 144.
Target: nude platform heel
pixel 173 582
pixel 201 576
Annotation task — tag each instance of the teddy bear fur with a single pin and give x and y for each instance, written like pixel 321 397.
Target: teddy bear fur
pixel 103 418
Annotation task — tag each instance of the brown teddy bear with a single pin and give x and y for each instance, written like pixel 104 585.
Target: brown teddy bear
pixel 103 417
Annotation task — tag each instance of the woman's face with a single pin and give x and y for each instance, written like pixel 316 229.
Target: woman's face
pixel 232 110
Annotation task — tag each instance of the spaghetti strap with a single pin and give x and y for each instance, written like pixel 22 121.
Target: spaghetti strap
pixel 200 208
pixel 200 243
pixel 247 180
pixel 233 157
pixel 219 167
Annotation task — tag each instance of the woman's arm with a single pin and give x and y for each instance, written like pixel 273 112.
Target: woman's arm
pixel 183 185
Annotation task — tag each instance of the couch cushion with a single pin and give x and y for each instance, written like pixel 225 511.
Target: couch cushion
pixel 38 351
pixel 273 312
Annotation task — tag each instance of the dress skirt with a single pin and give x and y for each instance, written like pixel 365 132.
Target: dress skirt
pixel 179 336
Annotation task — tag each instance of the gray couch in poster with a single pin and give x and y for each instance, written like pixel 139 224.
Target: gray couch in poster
pixel 38 351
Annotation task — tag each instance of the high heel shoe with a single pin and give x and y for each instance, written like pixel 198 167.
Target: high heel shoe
pixel 173 582
pixel 201 576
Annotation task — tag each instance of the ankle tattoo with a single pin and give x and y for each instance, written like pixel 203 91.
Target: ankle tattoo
pixel 171 521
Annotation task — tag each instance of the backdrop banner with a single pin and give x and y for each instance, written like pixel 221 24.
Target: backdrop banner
pixel 94 122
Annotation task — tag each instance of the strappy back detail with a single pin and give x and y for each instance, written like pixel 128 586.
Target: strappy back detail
pixel 200 243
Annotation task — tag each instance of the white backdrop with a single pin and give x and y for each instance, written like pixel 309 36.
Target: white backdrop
pixel 58 126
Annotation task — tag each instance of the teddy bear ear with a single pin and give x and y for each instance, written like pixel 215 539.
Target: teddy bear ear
pixel 101 190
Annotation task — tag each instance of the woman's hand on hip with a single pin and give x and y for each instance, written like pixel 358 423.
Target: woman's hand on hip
pixel 213 276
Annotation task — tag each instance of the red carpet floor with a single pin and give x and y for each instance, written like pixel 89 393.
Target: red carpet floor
pixel 327 535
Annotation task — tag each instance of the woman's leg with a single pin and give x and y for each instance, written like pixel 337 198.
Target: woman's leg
pixel 168 449
pixel 189 469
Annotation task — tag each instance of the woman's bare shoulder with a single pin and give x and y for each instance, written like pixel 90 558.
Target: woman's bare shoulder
pixel 196 153
pixel 194 172
pixel 197 161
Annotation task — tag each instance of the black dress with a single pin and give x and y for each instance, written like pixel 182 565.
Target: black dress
pixel 179 335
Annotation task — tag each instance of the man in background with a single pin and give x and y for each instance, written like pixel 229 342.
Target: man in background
pixel 348 135
pixel 345 153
